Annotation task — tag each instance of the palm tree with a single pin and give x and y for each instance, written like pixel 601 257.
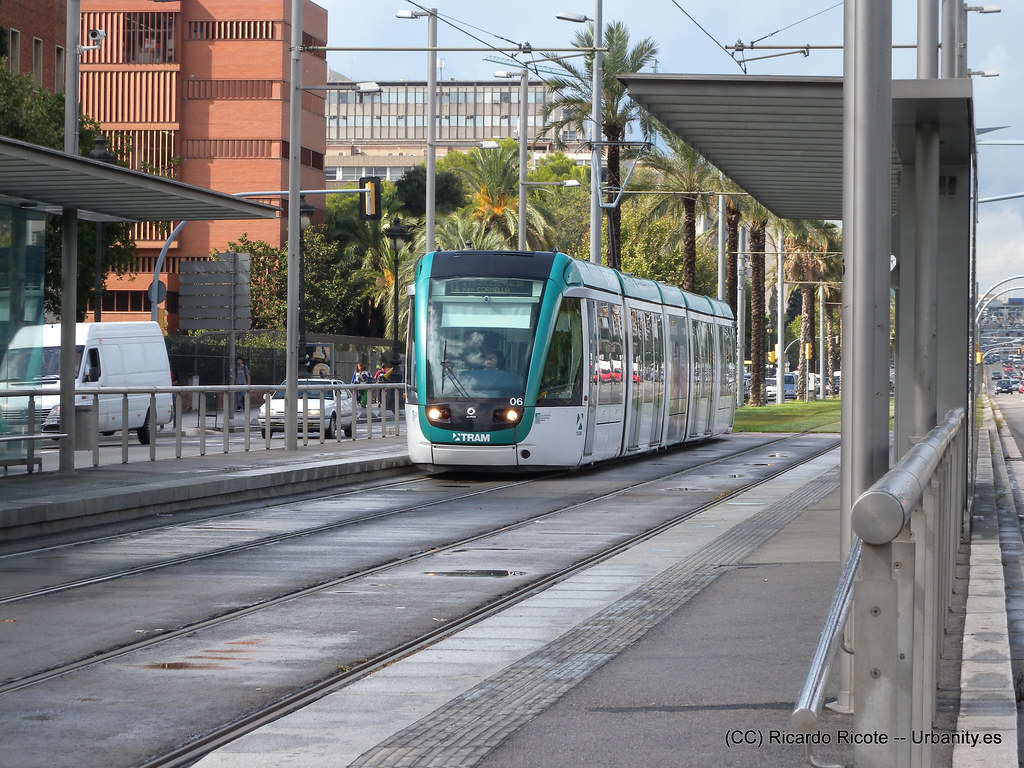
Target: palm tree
pixel 684 172
pixel 831 276
pixel 733 214
pixel 492 178
pixel 804 240
pixel 462 229
pixel 759 218
pixel 573 98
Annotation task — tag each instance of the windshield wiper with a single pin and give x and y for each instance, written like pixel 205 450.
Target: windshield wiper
pixel 446 368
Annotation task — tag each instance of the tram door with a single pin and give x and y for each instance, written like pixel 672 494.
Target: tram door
pixel 645 364
pixel 703 378
pixel 592 334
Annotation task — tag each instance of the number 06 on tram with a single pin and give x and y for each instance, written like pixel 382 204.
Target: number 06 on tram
pixel 538 361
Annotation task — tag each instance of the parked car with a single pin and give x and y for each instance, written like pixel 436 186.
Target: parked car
pixel 337 408
pixel 789 393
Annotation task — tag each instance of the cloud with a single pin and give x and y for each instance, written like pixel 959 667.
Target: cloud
pixel 1000 243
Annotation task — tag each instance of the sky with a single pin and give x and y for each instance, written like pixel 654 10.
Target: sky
pixel 690 36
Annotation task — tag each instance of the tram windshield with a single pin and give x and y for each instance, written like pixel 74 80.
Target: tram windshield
pixel 480 337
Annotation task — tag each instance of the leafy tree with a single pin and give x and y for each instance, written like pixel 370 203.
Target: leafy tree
pixel 573 97
pixel 335 287
pixel 449 193
pixel 37 116
pixel 558 166
pixel 268 267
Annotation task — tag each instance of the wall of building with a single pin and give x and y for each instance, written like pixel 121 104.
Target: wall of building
pixel 36 35
pixel 200 90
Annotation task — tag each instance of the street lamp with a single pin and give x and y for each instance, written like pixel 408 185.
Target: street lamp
pixel 431 14
pixel 99 152
pixel 306 212
pixel 398 235
pixel 523 119
pixel 595 129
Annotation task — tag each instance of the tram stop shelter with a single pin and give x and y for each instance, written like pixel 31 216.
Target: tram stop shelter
pixel 781 140
pixel 35 181
pixel 797 145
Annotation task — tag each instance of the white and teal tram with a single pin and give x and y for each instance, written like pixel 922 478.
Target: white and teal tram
pixel 538 361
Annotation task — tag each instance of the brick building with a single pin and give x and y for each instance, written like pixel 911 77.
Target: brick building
pixel 33 35
pixel 199 90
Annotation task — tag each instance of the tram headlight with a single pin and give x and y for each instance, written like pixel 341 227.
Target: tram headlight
pixel 507 415
pixel 439 413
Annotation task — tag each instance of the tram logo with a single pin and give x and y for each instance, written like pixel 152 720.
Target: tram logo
pixel 471 437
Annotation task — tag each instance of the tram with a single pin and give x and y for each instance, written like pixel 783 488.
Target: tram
pixel 538 361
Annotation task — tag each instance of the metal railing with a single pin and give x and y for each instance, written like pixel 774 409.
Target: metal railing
pixel 909 526
pixel 808 706
pixel 381 417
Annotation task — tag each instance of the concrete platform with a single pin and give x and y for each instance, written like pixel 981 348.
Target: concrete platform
pixel 682 651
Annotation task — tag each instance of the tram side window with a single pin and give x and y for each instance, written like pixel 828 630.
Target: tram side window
pixel 610 345
pixel 562 380
pixel 679 368
pixel 727 361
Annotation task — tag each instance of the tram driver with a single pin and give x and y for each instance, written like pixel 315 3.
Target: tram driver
pixel 492 380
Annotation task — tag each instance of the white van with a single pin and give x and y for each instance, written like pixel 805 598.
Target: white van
pixel 130 354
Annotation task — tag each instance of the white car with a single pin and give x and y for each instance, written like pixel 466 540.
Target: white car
pixel 337 408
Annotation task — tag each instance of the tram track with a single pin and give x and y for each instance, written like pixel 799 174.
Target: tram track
pixel 704 477
pixel 188 754
pixel 100 657
pixel 276 538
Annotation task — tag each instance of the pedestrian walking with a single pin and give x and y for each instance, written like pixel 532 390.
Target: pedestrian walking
pixel 242 376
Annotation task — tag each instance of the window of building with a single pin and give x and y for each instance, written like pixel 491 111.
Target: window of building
pixel 58 69
pixel 149 38
pixel 37 62
pixel 14 51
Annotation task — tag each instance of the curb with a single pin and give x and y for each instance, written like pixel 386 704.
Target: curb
pixel 988 707
pixel 93 505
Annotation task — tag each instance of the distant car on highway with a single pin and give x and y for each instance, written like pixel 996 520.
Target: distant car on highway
pixel 337 408
pixel 1006 387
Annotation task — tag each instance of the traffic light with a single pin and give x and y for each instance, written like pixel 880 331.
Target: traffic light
pixel 808 351
pixel 369 201
pixel 771 356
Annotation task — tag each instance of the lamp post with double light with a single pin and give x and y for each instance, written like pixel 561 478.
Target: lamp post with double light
pixel 524 114
pixel 595 128
pixel 306 212
pixel 431 16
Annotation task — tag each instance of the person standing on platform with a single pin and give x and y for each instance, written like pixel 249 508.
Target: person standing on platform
pixel 241 377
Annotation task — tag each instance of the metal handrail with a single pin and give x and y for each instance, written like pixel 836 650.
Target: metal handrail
pixel 878 516
pixel 881 512
pixel 804 718
pixel 255 396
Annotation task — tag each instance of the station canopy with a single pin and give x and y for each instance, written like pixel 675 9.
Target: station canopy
pixel 781 138
pixel 39 178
